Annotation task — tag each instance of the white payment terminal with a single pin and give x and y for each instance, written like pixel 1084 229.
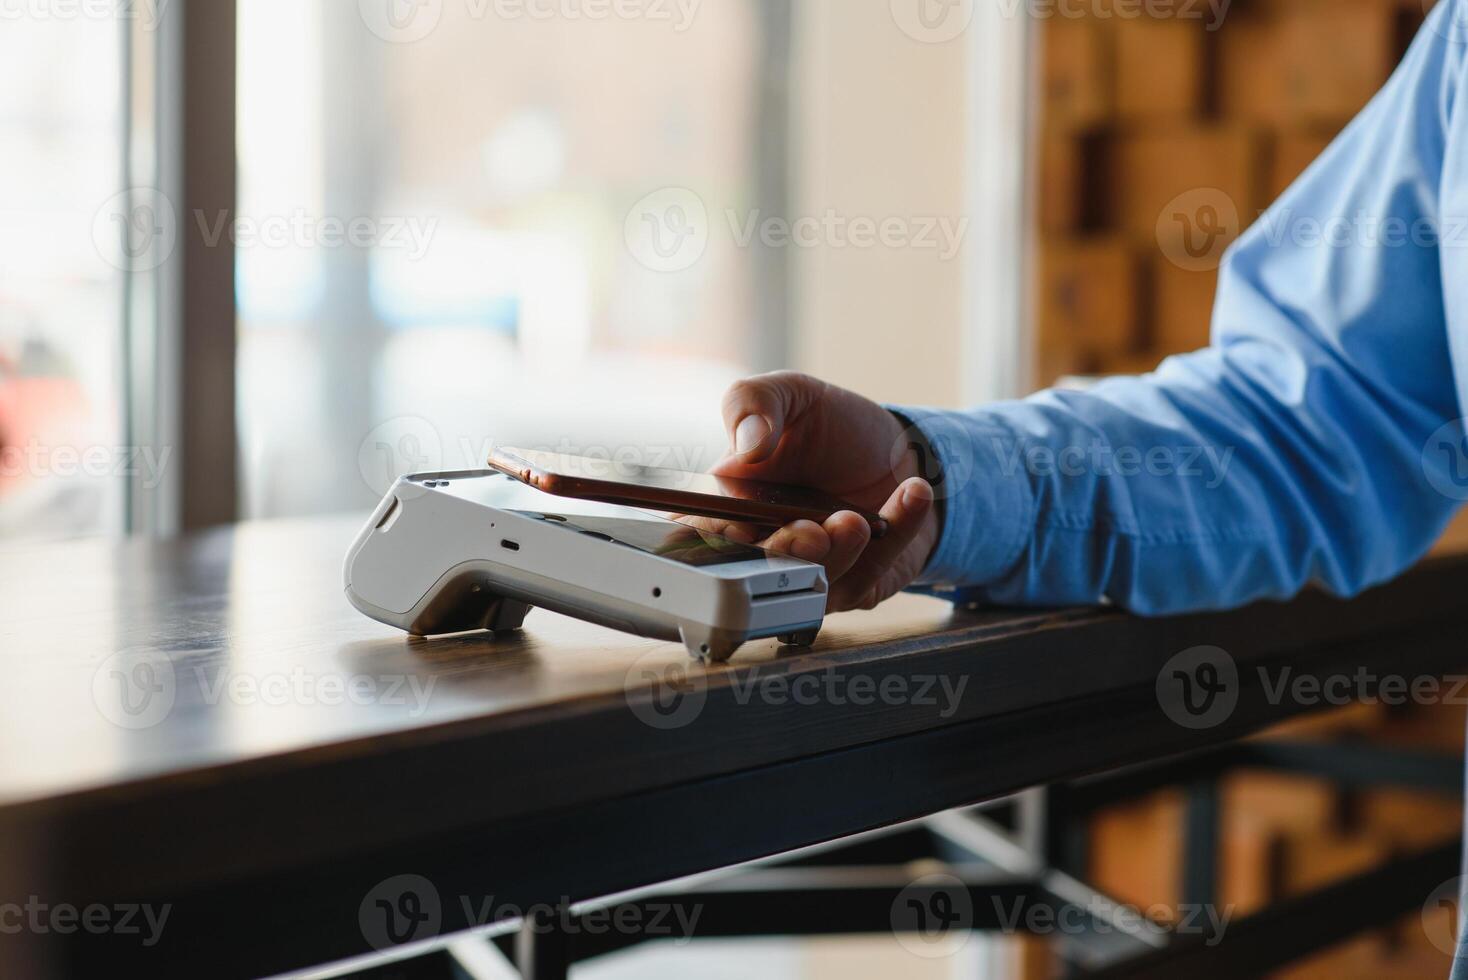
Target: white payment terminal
pixel 452 552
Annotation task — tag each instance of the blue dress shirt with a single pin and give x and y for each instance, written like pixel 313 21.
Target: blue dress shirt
pixel 1318 440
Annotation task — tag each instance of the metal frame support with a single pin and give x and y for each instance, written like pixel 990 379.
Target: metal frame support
pixel 1200 844
pixel 542 948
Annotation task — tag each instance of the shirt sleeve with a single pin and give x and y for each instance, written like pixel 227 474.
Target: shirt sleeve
pixel 1301 446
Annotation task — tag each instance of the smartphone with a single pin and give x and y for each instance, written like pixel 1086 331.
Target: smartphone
pixel 673 491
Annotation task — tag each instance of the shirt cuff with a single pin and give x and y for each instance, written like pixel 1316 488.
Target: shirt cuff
pixel 987 506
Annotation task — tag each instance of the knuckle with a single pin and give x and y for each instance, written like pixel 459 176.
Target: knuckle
pixel 779 394
pixel 792 378
pixel 746 389
pixel 799 386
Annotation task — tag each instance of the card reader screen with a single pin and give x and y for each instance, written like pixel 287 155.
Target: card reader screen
pixel 676 542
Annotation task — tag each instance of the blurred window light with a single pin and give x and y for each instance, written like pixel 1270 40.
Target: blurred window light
pixel 490 163
pixel 62 458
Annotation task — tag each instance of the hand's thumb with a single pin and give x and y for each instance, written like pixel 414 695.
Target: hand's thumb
pixel 757 411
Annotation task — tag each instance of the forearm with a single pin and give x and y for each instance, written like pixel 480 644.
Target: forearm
pixel 1195 488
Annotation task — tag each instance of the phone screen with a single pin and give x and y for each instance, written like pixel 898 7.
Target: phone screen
pixel 608 522
pixel 657 478
pixel 675 542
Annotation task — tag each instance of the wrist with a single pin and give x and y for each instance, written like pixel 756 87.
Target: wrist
pixel 986 514
pixel 925 545
pixel 913 456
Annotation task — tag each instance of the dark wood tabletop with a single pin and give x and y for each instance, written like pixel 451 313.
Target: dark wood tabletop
pixel 206 723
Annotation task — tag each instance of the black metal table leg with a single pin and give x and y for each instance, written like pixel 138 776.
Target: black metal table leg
pixel 542 948
pixel 1200 844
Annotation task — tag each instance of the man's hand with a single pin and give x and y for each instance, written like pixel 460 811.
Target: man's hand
pixel 792 428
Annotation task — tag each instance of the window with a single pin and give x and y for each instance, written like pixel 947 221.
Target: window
pixel 459 222
pixel 61 288
pixel 459 225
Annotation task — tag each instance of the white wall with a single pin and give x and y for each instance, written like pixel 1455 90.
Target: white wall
pixel 879 130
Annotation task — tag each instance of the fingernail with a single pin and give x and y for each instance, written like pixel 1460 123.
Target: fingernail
pixel 917 495
pixel 750 434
